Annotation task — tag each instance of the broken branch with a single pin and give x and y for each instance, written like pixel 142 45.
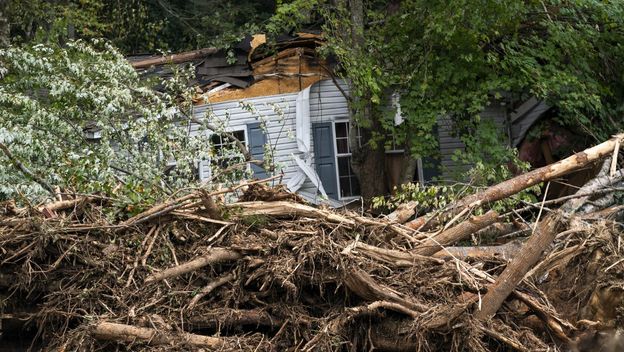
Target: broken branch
pixel 216 255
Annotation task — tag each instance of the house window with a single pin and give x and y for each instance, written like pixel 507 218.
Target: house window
pixel 393 146
pixel 225 152
pixel 348 183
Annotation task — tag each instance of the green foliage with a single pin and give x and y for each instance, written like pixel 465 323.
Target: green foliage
pixel 425 197
pixel 486 154
pixel 436 197
pixel 137 26
pixel 488 162
pixel 453 58
pixel 49 94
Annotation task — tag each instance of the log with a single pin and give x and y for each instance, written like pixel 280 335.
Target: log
pixel 211 287
pixel 128 333
pixel 612 212
pixel 403 212
pixel 216 255
pixel 505 252
pixel 459 232
pixel 591 188
pixel 514 185
pixel 364 286
pixel 515 271
pixel 174 59
pixel 63 204
pixel 390 256
pixel 283 208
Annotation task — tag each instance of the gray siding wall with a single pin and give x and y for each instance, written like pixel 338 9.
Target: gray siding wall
pixel 327 104
pixel 449 144
pixel 280 127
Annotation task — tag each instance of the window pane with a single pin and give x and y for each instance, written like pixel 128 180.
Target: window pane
pixel 240 135
pixel 342 129
pixel 225 151
pixel 342 145
pixel 343 166
pixel 345 187
pixel 215 139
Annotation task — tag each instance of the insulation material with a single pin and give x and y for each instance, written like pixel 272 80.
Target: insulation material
pixel 303 145
pixel 289 71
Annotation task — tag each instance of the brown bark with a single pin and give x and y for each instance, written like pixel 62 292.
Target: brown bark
pixel 403 212
pixel 368 163
pixel 408 168
pixel 216 255
pixel 464 229
pixel 129 333
pixel 174 59
pixel 505 252
pixel 369 166
pixel 389 256
pixel 363 285
pixel 515 271
pixel 64 204
pixel 512 186
pixel 283 208
pixel 211 287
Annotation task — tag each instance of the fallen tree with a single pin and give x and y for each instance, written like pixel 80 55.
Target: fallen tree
pixel 270 273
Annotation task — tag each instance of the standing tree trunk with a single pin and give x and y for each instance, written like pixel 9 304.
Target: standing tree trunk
pixel 408 168
pixel 368 163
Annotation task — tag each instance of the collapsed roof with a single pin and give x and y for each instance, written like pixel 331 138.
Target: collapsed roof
pixel 254 67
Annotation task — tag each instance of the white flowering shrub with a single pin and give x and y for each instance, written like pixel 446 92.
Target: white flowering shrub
pixel 50 94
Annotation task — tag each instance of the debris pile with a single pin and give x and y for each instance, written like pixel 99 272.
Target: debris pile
pixel 269 272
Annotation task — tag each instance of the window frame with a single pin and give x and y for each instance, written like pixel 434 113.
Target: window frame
pixel 337 155
pixel 226 130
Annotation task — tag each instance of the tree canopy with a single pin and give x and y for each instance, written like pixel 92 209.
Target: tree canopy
pixel 454 58
pixel 138 26
pixel 51 96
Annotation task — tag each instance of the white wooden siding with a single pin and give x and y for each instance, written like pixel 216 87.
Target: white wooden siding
pixel 280 129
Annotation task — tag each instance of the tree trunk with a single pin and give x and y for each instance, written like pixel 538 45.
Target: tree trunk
pixel 408 168
pixel 530 253
pixel 514 185
pixel 457 233
pixel 129 333
pixel 368 164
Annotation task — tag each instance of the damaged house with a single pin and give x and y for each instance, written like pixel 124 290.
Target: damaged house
pixel 283 100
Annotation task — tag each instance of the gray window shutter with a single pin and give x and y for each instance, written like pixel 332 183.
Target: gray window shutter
pixel 324 157
pixel 256 143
